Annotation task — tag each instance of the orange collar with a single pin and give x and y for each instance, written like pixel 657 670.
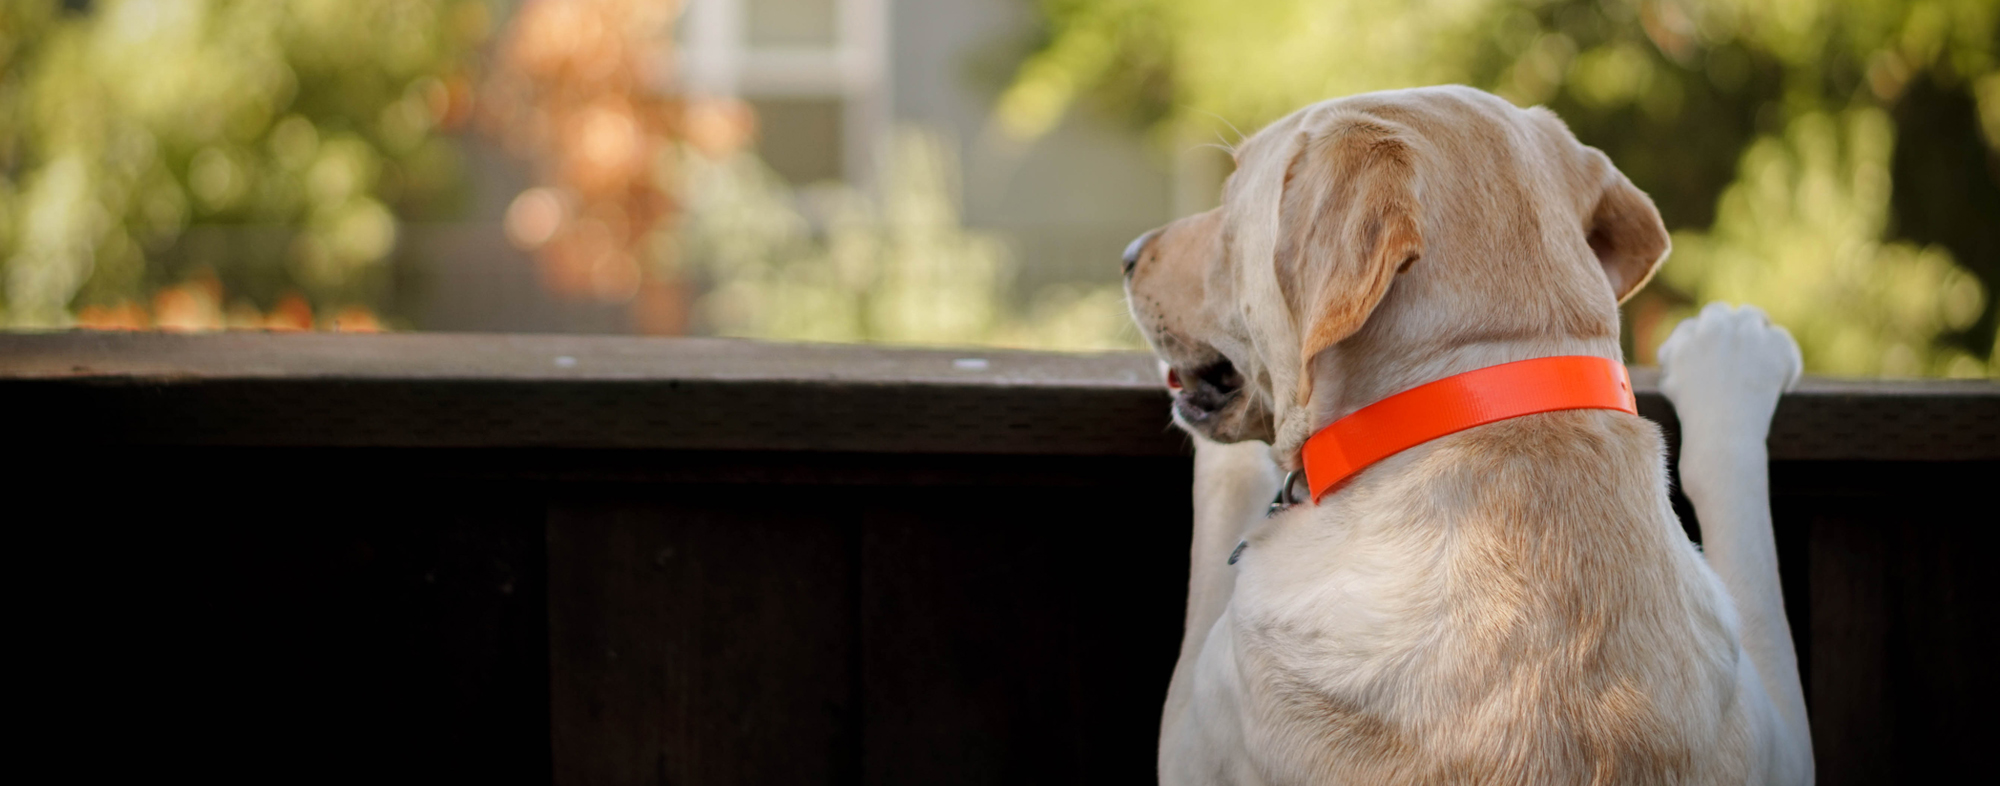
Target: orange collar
pixel 1456 403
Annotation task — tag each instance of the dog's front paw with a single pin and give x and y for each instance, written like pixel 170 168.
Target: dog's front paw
pixel 1726 367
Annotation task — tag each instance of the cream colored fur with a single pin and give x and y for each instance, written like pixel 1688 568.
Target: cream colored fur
pixel 1515 603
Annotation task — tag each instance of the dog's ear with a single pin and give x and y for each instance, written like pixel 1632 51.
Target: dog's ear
pixel 1625 231
pixel 1347 226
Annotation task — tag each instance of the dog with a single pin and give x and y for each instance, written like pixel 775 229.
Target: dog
pixel 1512 603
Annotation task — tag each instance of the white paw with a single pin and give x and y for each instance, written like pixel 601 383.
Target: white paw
pixel 1726 367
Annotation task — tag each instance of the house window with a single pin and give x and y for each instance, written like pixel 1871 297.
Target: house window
pixel 793 23
pixel 815 71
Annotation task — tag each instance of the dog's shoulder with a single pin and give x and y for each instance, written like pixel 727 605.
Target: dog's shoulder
pixel 1516 598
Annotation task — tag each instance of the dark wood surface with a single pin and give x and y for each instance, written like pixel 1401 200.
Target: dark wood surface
pixel 607 617
pixel 283 616
pixel 696 636
pixel 333 558
pixel 1899 628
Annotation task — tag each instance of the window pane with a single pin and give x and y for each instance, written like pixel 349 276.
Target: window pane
pixel 792 22
pixel 800 137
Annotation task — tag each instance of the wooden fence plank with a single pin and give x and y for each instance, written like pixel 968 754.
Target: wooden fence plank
pixel 260 618
pixel 1024 637
pixel 1899 598
pixel 702 635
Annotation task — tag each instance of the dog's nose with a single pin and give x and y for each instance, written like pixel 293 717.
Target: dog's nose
pixel 1138 247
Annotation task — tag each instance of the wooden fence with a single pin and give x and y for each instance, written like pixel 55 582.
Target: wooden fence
pixel 615 560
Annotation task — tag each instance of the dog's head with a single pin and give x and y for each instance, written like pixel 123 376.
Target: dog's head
pixel 1364 231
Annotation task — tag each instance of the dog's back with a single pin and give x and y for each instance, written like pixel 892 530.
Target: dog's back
pixel 1511 604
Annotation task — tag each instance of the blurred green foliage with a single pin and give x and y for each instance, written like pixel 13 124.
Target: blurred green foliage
pixel 1834 161
pixel 258 149
pixel 832 262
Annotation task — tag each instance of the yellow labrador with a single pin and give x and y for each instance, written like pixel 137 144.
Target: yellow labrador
pixel 1514 603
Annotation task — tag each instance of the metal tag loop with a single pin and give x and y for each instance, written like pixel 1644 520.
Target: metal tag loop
pixel 1286 496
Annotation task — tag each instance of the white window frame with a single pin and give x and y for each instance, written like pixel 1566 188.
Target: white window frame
pixel 716 60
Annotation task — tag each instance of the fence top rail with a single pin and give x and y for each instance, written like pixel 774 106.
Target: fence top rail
pixel 548 358
pixel 492 390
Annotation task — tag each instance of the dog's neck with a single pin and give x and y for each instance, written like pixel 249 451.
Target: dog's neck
pixel 1344 382
pixel 1354 385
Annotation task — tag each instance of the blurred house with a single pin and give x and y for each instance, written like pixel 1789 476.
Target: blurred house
pixel 828 81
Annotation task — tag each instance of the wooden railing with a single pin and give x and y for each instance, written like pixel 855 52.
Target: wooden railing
pixel 612 560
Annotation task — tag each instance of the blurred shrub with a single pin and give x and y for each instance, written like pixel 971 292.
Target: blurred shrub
pixel 199 163
pixel 1836 161
pixel 572 92
pixel 831 263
